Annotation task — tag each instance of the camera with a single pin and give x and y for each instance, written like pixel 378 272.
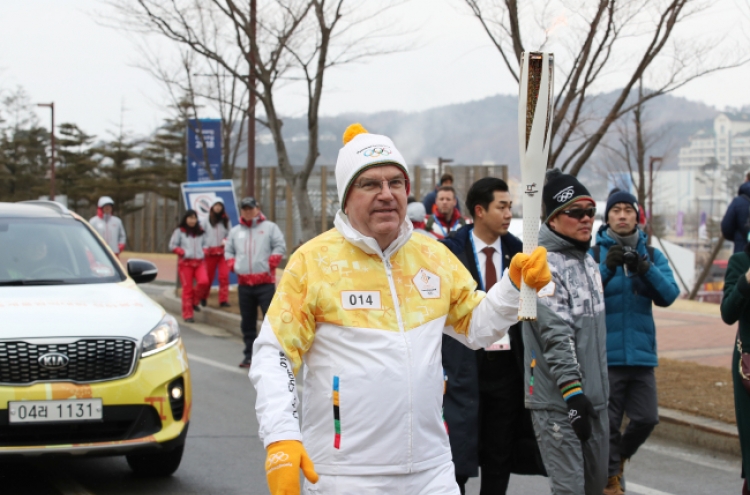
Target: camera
pixel 630 258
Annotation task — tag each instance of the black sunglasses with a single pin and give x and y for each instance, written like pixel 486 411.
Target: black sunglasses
pixel 579 213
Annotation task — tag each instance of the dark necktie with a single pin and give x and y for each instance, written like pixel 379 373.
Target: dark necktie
pixel 490 273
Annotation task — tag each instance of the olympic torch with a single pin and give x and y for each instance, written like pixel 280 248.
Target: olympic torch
pixel 534 126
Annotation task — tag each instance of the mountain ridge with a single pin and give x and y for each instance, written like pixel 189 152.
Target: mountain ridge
pixel 483 131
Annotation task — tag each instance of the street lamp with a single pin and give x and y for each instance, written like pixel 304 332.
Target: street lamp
pixel 52 142
pixel 250 186
pixel 651 161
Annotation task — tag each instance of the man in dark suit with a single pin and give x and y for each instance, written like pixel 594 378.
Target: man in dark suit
pixel 485 388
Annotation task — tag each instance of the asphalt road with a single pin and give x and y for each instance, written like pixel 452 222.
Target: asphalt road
pixel 224 455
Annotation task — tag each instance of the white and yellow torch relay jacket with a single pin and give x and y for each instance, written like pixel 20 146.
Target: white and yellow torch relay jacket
pixel 368 325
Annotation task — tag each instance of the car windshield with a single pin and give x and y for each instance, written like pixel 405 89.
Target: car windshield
pixel 52 251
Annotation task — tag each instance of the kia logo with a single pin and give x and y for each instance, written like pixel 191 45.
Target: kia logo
pixel 53 360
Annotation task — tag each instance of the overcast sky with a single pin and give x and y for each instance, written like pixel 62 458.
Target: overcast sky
pixel 57 51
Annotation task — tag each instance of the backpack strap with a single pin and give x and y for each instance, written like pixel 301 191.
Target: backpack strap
pixel 596 252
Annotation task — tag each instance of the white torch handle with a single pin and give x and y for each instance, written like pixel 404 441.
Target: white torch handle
pixel 527 308
pixel 534 125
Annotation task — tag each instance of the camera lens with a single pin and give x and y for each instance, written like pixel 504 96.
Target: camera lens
pixel 630 257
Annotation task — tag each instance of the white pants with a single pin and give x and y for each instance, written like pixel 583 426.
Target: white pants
pixel 436 481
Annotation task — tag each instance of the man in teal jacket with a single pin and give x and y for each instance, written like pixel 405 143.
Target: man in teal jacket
pixel 634 276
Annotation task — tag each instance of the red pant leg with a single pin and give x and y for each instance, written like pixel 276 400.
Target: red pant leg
pixel 210 263
pixel 223 280
pixel 186 279
pixel 201 283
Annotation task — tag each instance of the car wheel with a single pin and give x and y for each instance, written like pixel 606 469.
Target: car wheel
pixel 156 464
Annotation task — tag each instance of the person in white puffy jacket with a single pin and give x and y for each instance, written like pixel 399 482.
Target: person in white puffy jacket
pixel 364 306
pixel 109 226
pixel 217 226
pixel 187 242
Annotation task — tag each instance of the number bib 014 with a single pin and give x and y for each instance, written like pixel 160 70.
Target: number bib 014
pixel 360 299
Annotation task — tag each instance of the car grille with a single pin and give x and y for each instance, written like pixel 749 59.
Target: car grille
pixel 118 423
pixel 90 360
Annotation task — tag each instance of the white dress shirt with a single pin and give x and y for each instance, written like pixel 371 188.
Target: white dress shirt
pixel 497 257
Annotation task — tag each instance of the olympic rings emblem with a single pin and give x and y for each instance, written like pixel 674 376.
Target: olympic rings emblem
pixel 564 195
pixel 276 458
pixel 375 152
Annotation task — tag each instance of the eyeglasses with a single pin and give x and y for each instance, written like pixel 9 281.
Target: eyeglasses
pixel 376 185
pixel 579 213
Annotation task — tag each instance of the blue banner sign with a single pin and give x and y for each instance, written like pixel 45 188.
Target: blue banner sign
pixel 203 141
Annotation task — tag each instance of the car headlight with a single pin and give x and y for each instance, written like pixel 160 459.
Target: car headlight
pixel 164 335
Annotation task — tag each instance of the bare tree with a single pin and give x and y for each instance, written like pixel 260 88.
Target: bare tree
pixel 634 136
pixel 608 31
pixel 204 84
pixel 295 41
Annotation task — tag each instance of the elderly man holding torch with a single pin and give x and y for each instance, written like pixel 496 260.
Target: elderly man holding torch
pixel 365 306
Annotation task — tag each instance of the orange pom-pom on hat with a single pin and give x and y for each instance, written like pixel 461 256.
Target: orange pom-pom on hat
pixel 352 131
pixel 361 151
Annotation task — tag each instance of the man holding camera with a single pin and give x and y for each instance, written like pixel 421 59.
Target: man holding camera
pixel 633 275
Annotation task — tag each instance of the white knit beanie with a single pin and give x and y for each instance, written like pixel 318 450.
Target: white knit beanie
pixel 361 151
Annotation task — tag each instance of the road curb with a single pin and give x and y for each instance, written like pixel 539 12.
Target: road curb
pixel 673 425
pixel 207 316
pixel 697 431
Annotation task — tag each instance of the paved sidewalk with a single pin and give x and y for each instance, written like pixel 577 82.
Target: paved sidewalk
pixel 693 331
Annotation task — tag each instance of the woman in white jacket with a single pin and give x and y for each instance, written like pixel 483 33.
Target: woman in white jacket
pixel 188 241
pixel 217 228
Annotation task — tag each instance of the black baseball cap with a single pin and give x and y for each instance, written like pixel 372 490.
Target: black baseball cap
pixel 248 202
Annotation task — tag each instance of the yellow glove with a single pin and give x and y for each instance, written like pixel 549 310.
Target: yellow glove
pixel 283 462
pixel 533 268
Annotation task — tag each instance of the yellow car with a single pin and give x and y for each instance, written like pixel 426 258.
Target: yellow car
pixel 89 365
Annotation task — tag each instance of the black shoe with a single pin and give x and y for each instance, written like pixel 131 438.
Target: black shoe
pixel 197 309
pixel 245 363
pixel 189 320
pixel 225 305
pixel 203 303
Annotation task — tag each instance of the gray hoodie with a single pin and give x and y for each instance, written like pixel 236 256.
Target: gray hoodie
pixel 568 341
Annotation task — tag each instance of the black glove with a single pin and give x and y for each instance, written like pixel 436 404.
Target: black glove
pixel 643 266
pixel 580 414
pixel 614 257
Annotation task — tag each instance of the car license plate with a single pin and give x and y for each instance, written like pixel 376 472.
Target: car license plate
pixel 38 411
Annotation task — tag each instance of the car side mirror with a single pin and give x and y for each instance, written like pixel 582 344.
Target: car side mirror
pixel 142 271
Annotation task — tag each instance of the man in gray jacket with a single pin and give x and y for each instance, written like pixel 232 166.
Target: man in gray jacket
pixel 565 353
pixel 253 250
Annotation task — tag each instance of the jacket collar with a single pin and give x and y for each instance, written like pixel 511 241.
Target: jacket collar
pixel 604 239
pixel 446 222
pixel 255 221
pixel 554 243
pixel 368 244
